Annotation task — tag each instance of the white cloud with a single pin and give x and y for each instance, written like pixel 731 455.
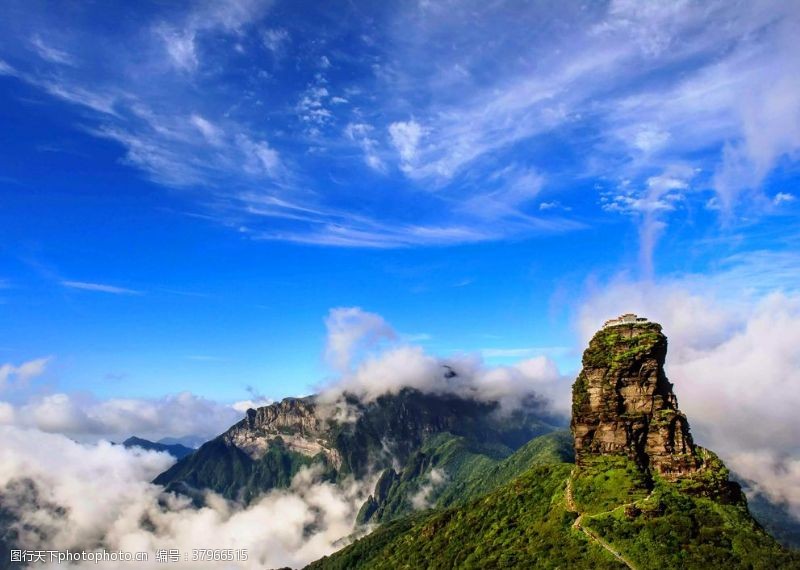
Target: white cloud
pixel 6 69
pixel 614 70
pixel 211 133
pixel 100 287
pixel 662 194
pixel 7 414
pixel 275 40
pixel 234 159
pixel 49 53
pixel 406 137
pixel 351 330
pixel 361 133
pixel 422 498
pixel 783 198
pixel 181 39
pixel 373 234
pixel 283 528
pixel 18 376
pixel 311 107
pixel 180 48
pixel 407 366
pixel 243 405
pixel 88 418
pixel 260 157
pixel 771 474
pixel 649 139
pixel 607 87
pixel 370 368
pixel 94 99
pixel 505 194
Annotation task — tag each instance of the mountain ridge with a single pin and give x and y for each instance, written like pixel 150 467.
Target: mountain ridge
pixel 264 450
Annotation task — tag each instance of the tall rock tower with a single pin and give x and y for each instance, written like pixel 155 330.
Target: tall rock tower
pixel 622 402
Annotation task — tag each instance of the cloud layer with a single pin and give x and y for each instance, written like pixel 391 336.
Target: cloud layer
pixel 87 418
pixel 388 367
pixel 64 495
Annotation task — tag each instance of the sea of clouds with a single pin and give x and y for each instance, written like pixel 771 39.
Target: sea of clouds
pixel 86 496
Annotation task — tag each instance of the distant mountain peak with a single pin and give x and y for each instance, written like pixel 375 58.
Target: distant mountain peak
pixel 177 450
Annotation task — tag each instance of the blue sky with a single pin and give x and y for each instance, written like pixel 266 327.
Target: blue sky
pixel 188 189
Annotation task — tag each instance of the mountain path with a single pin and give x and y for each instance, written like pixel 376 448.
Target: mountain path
pixel 591 535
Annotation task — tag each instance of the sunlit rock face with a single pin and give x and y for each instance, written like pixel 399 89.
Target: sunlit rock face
pixel 623 403
pixel 294 420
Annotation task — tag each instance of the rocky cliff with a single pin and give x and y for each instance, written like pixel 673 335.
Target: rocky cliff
pixel 295 421
pixel 623 404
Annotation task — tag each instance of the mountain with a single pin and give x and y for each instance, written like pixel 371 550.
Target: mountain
pixel 406 437
pixel 190 441
pixel 176 450
pixel 775 517
pixel 640 493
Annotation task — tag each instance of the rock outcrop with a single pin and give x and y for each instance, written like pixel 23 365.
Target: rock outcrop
pixel 623 403
pixel 294 420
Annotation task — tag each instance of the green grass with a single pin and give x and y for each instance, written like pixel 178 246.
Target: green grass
pixel 523 524
pixel 606 481
pixel 672 530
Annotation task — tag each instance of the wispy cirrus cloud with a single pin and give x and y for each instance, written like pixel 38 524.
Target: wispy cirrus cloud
pixel 406 127
pixel 50 53
pixel 218 148
pixel 181 36
pixel 100 288
pixel 6 69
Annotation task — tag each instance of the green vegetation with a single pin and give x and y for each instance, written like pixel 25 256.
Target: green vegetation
pixel 523 524
pixel 671 529
pixel 580 394
pixel 482 478
pixel 606 481
pixel 470 470
pixel 234 474
pixel 526 523
pixel 711 481
pixel 612 348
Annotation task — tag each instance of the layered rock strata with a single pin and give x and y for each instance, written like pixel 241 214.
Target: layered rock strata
pixel 293 420
pixel 623 403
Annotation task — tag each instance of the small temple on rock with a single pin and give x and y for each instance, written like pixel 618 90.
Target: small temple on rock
pixel 626 319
